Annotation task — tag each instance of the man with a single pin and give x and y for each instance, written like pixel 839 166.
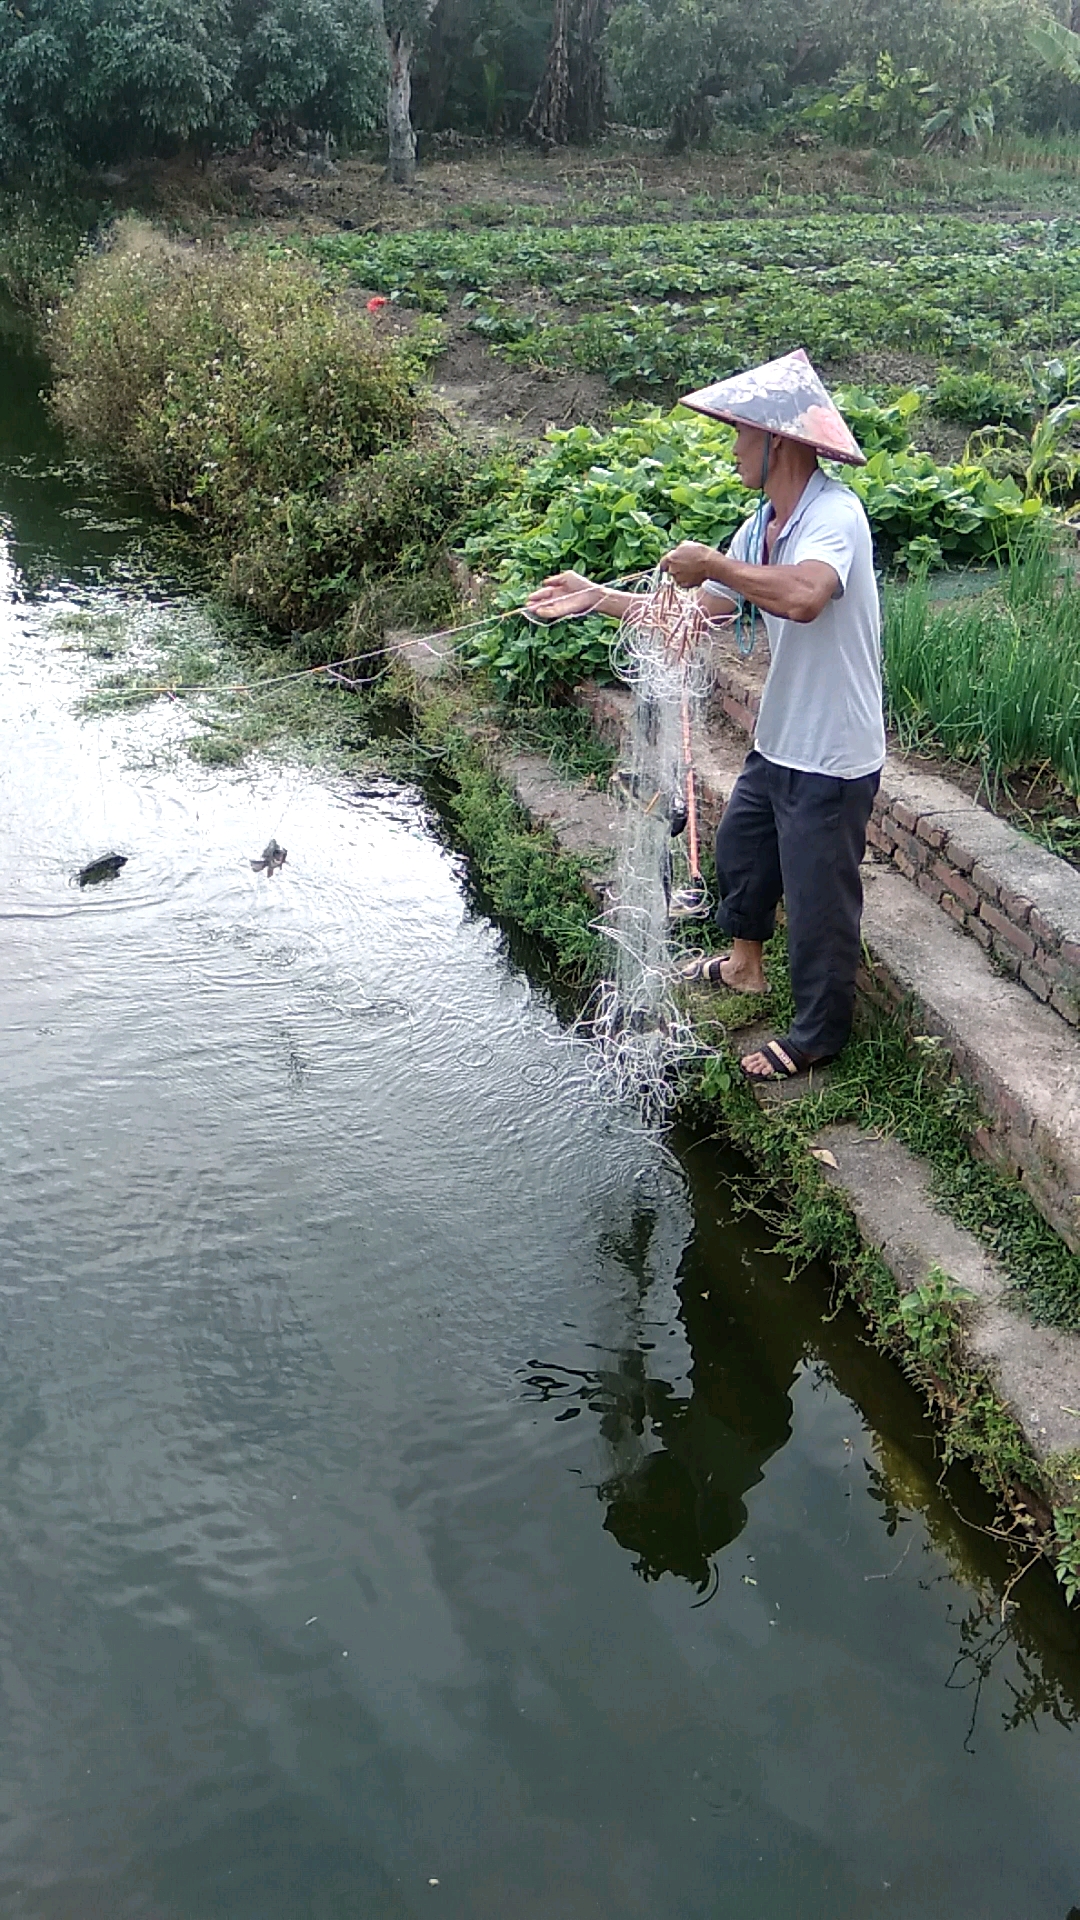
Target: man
pixel 796 821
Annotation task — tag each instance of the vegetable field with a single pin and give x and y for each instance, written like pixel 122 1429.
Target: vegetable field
pixel 682 303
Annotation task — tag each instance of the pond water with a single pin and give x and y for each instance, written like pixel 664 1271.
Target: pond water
pixel 420 1493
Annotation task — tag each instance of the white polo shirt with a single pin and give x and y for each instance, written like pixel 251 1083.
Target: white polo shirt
pixel 821 708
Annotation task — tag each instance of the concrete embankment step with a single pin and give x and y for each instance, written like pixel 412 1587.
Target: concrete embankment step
pixel 1036 1371
pixel 1023 1060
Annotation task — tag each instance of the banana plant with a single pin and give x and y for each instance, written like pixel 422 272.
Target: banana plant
pixel 962 123
pixel 1057 46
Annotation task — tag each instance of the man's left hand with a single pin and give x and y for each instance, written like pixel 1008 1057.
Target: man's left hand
pixel 690 563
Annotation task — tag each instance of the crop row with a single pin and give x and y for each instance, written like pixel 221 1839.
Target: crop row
pixel 680 304
pixel 611 504
pixel 656 260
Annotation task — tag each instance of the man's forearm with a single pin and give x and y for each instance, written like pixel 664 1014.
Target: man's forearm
pixel 613 602
pixel 784 591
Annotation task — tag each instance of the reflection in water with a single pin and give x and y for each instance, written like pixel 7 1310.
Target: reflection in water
pixel 683 1462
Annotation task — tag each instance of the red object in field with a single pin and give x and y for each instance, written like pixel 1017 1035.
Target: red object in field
pixel 377 300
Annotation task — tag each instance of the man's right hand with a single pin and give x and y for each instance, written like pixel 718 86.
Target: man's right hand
pixel 564 596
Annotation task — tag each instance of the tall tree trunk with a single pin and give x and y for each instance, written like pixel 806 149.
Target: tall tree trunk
pixel 569 103
pixel 402 160
pixel 548 119
pixel 588 76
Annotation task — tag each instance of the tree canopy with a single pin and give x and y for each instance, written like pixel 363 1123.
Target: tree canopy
pixel 102 80
pixel 96 81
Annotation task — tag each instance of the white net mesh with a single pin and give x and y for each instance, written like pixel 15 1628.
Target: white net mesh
pixel 666 644
pixel 637 1034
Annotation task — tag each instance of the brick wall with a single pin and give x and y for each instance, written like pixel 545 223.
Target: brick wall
pixel 1006 923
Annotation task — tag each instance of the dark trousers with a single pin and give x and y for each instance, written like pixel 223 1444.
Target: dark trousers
pixel 800 835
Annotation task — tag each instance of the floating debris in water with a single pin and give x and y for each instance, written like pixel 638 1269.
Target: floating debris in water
pixel 273 857
pixel 106 868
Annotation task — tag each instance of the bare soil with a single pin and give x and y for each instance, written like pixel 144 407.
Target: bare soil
pixel 494 396
pixel 471 183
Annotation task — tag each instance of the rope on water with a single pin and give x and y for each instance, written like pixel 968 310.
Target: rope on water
pixel 334 670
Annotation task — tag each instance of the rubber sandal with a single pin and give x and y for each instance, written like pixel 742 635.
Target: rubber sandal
pixel 786 1061
pixel 702 969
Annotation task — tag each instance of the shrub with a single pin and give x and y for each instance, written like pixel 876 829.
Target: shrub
pixel 879 428
pixel 223 380
pixel 314 554
pixel 40 240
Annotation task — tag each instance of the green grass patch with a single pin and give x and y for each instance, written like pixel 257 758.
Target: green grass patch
pixel 248 695
pixel 525 874
pixel 567 739
pixel 994 680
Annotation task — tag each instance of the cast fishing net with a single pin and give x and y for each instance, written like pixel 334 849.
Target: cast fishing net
pixel 637 1034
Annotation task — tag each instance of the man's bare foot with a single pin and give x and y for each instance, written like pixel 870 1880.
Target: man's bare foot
pixel 743 973
pixel 728 970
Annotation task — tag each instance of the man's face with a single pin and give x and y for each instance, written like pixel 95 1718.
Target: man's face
pixel 750 446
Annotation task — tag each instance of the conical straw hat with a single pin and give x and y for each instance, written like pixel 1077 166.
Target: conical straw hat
pixel 784 397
